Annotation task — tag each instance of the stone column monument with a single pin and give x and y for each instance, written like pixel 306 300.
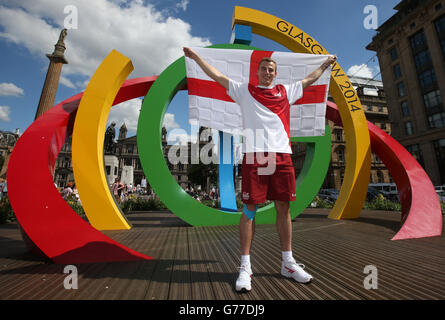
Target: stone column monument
pixel 57 60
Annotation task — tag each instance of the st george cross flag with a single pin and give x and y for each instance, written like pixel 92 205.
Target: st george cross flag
pixel 211 107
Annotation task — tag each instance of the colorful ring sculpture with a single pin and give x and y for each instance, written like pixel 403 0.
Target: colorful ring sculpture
pixel 60 234
pixel 88 140
pixel 45 217
pixel 421 212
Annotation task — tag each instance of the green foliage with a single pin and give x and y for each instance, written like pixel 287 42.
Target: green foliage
pixel 198 174
pixel 381 203
pixel 211 203
pixel 75 205
pixel 320 203
pixel 141 204
pixel 6 213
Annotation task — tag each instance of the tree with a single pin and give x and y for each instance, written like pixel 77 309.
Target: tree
pixel 198 173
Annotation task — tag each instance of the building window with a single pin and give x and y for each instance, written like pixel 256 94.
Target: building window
pixel 436 120
pixel 418 41
pixel 369 108
pixel 439 148
pixel 376 158
pixel 432 99
pixel 401 89
pixel 422 60
pixel 440 24
pixel 393 53
pixel 438 6
pixel 409 128
pixel 108 170
pixel 380 108
pixel 405 109
pixel 440 28
pixel 397 71
pixel 380 178
pixel 414 149
pixel 427 80
pixel 340 155
pixel 338 135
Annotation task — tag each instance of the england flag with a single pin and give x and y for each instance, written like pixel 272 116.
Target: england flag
pixel 210 106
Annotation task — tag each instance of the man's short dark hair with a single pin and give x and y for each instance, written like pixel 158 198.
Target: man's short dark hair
pixel 267 59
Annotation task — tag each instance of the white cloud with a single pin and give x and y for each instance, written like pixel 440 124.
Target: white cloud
pixel 377 72
pixel 82 85
pixel 176 136
pixel 151 39
pixel 360 71
pixel 5 111
pixel 10 89
pixel 183 4
pixel 67 82
pixel 169 122
pixel 126 112
pixel 175 133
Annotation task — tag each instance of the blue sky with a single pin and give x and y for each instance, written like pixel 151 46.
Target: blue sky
pixel 152 34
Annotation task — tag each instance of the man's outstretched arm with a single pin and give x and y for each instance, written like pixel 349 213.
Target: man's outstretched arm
pixel 211 71
pixel 310 79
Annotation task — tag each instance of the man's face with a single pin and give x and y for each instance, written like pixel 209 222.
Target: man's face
pixel 266 73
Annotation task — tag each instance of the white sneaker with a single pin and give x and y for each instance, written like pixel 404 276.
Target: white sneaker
pixel 244 279
pixel 291 269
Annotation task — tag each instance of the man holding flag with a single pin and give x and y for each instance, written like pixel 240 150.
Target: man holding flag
pixel 266 109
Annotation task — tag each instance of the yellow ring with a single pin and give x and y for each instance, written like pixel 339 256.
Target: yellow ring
pixel 358 148
pixel 88 141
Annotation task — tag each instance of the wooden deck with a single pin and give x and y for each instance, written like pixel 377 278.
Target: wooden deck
pixel 201 263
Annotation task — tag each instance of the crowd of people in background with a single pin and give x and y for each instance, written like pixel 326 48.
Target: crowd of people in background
pixel 122 191
pixel 70 189
pixel 200 195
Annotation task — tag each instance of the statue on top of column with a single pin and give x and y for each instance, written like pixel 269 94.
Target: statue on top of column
pixel 109 144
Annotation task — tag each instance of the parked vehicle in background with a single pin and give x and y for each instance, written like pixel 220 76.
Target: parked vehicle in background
pixel 372 194
pixel 441 195
pixel 329 195
pixel 388 190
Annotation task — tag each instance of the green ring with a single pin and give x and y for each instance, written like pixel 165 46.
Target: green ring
pixel 167 189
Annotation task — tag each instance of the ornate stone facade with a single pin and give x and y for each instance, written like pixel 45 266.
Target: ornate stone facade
pixel 410 47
